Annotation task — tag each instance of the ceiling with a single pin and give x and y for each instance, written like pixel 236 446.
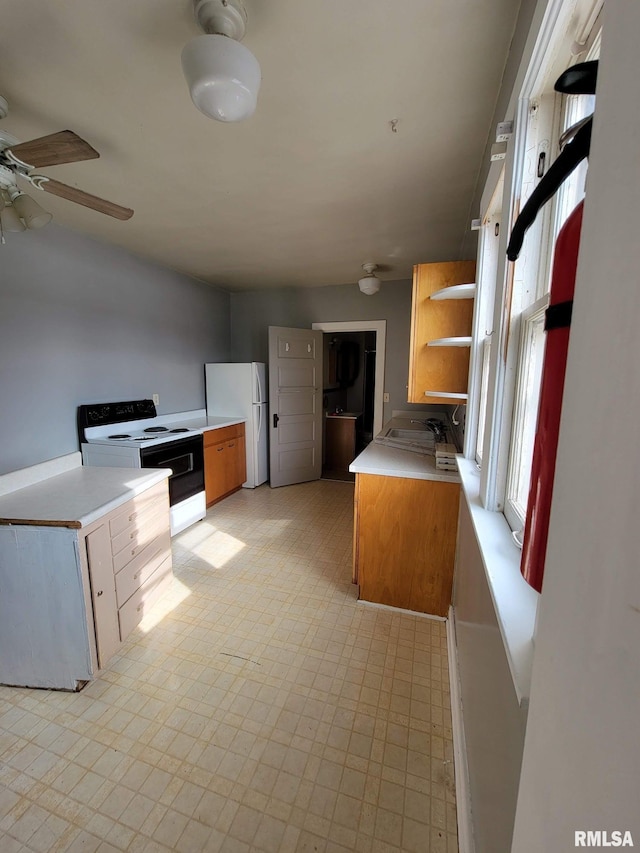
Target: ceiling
pixel 317 182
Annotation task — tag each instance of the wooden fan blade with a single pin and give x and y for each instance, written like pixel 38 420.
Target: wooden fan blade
pixel 86 199
pixel 63 147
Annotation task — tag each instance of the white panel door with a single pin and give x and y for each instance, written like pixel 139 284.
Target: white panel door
pixel 295 405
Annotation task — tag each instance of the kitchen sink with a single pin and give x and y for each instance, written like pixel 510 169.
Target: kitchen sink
pixel 415 440
pixel 412 435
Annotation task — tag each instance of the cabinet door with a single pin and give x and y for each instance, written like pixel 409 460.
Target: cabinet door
pixel 439 368
pixel 225 462
pixel 406 533
pixel 103 593
pixel 215 473
pixel 340 443
pixel 237 463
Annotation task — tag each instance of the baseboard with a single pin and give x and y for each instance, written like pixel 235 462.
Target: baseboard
pixel 463 795
pixel 392 609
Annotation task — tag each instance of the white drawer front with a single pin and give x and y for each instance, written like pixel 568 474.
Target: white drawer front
pixel 135 541
pixel 133 610
pixel 154 498
pixel 140 569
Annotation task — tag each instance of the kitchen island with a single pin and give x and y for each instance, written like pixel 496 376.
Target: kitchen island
pixel 405 527
pixel 84 553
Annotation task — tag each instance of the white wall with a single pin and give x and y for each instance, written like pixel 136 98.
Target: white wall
pixel 494 721
pixel 581 766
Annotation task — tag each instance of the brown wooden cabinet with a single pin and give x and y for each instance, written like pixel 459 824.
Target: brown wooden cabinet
pixel 404 541
pixel 225 462
pixel 340 442
pixel 439 369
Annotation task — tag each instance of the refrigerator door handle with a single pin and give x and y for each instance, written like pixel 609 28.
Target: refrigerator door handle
pixel 259 423
pixel 258 387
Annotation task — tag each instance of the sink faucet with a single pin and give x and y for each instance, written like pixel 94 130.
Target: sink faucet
pixel 435 426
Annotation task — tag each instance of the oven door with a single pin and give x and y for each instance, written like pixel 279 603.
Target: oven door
pixel 185 457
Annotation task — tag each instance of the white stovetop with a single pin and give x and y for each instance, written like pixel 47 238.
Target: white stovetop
pixel 196 421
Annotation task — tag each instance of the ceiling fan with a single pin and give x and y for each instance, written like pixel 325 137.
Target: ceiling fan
pixel 21 159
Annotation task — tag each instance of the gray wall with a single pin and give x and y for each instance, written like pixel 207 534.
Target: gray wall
pixel 494 723
pixel 253 312
pixel 81 322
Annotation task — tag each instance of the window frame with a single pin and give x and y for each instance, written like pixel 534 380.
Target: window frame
pixel 556 16
pixel 533 315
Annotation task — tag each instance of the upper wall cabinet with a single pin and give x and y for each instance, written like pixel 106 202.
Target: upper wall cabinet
pixel 441 320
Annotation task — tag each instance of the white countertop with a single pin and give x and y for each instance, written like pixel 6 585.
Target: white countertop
pixel 78 497
pixel 392 462
pixel 208 422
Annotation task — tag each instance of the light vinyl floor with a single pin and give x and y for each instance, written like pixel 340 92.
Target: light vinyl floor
pixel 259 707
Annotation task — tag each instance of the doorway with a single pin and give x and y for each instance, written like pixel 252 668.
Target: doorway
pixel 353 389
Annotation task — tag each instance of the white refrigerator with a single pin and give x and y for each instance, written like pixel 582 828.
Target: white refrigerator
pixel 240 390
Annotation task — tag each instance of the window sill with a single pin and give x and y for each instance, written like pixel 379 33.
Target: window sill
pixel 515 602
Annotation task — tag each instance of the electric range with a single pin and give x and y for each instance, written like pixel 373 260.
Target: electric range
pixel 132 435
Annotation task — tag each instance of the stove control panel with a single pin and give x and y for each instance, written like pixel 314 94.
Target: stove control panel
pixel 100 414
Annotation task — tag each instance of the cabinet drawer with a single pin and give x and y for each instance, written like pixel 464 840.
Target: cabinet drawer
pixel 213 436
pixel 139 570
pixel 137 540
pixel 155 497
pixel 133 610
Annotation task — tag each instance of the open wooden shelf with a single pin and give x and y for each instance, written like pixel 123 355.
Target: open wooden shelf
pixel 450 342
pixel 454 395
pixel 441 330
pixel 455 291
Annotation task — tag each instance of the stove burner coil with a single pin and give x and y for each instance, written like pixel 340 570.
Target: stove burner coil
pixel 122 435
pixel 156 429
pixel 179 429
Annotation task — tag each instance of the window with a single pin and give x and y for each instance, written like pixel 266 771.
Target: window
pixel 530 290
pixel 530 361
pixel 508 351
pixel 484 385
pixel 489 253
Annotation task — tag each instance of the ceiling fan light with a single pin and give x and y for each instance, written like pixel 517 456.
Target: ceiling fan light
pixel 30 211
pixel 10 220
pixel 223 77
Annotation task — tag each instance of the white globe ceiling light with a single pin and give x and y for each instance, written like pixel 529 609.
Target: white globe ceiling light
pixel 369 283
pixel 223 75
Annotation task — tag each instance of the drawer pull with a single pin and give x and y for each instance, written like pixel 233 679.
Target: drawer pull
pixel 99 593
pixel 132 535
pixel 139 608
pixel 133 552
pixel 220 449
pixel 232 444
pixel 132 516
pixel 135 577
